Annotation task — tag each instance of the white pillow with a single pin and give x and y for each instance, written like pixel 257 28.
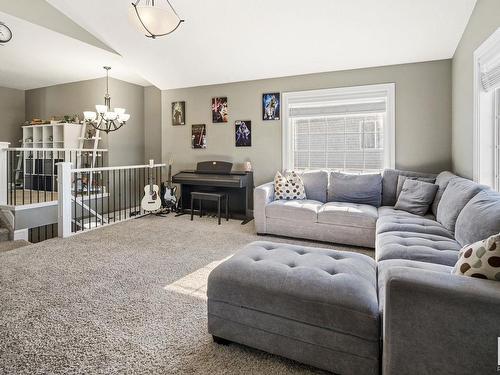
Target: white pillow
pixel 288 187
pixel 481 259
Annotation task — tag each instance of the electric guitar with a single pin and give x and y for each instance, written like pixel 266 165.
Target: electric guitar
pixel 151 200
pixel 169 192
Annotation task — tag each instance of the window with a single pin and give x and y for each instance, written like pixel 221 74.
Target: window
pixel 487 112
pixel 345 129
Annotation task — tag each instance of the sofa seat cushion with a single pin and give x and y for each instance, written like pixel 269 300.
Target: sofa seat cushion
pixel 385 211
pixel 297 210
pixel 348 214
pixel 391 220
pixel 415 245
pixel 384 266
pixel 334 290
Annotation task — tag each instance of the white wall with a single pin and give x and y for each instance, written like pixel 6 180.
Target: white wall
pixel 11 115
pixel 423 117
pixel 126 146
pixel 484 21
pixel 152 123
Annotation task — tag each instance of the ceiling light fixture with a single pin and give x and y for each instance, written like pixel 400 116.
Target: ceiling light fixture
pixel 155 17
pixel 105 119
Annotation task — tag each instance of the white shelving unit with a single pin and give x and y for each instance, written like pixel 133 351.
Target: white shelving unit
pixel 39 166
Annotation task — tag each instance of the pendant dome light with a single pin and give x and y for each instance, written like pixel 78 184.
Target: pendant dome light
pixel 155 17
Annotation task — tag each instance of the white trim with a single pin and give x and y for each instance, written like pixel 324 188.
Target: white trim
pixel 78 170
pixel 55 149
pixel 342 93
pixel 484 53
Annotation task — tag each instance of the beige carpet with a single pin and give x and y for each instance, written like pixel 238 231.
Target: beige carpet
pixel 126 299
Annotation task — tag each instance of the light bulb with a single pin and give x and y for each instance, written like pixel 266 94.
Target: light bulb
pixel 89 115
pixel 101 108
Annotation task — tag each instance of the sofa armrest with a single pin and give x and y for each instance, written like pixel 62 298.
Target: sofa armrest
pixel 262 195
pixel 439 323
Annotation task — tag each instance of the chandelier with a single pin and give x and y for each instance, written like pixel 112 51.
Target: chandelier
pixel 105 119
pixel 155 17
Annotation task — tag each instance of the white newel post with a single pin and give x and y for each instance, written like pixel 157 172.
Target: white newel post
pixel 3 172
pixel 64 204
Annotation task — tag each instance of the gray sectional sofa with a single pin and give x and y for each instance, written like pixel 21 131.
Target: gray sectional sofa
pixel 404 313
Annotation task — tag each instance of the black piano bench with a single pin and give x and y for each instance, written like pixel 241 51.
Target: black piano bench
pixel 216 197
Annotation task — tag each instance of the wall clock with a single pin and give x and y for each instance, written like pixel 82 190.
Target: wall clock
pixel 5 33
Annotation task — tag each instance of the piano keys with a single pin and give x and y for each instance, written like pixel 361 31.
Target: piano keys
pixel 212 176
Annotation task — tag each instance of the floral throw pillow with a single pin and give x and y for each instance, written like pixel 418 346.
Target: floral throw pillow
pixel 288 187
pixel 481 259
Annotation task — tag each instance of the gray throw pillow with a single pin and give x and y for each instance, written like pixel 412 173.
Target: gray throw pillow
pixel 402 179
pixel 355 188
pixel 416 197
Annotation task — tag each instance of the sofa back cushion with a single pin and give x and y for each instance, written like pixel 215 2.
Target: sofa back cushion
pixel 416 196
pixel 442 181
pixel 354 188
pixel 479 219
pixel 402 179
pixel 316 184
pixel 457 194
pixel 390 184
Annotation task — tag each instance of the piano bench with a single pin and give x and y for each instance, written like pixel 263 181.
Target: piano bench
pixel 216 197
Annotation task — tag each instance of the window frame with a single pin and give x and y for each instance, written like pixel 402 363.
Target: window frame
pixel 342 93
pixel 486 140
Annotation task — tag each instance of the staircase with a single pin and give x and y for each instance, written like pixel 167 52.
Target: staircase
pixel 5 243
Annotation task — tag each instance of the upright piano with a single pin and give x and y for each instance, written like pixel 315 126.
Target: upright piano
pixel 218 176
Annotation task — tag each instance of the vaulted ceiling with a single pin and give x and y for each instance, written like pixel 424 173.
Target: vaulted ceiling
pixel 227 40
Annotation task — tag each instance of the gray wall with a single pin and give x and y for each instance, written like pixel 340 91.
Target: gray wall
pixel 484 21
pixel 11 115
pixel 152 123
pixel 423 117
pixel 126 146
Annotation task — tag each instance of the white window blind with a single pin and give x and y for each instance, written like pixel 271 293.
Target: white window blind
pixel 490 75
pixel 338 131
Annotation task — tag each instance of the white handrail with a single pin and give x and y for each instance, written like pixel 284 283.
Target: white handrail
pixel 55 149
pixel 79 170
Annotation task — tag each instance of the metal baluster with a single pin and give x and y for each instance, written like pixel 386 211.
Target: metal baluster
pixel 82 220
pixel 108 192
pixel 32 176
pixel 38 178
pixel 44 178
pixel 114 194
pixel 52 180
pixel 9 177
pixel 95 198
pixel 119 194
pixel 135 191
pixel 102 197
pixel 75 195
pixel 129 193
pixel 23 171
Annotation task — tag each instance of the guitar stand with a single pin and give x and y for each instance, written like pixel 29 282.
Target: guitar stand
pixel 162 212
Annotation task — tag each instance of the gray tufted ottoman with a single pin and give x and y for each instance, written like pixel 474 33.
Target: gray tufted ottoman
pixel 316 306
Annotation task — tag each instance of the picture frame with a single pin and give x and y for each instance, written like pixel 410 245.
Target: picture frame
pixel 271 106
pixel 198 136
pixel 219 110
pixel 243 133
pixel 178 113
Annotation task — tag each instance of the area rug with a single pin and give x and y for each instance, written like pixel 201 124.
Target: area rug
pixel 125 299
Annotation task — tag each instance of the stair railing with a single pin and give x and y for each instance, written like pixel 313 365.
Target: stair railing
pixel 94 197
